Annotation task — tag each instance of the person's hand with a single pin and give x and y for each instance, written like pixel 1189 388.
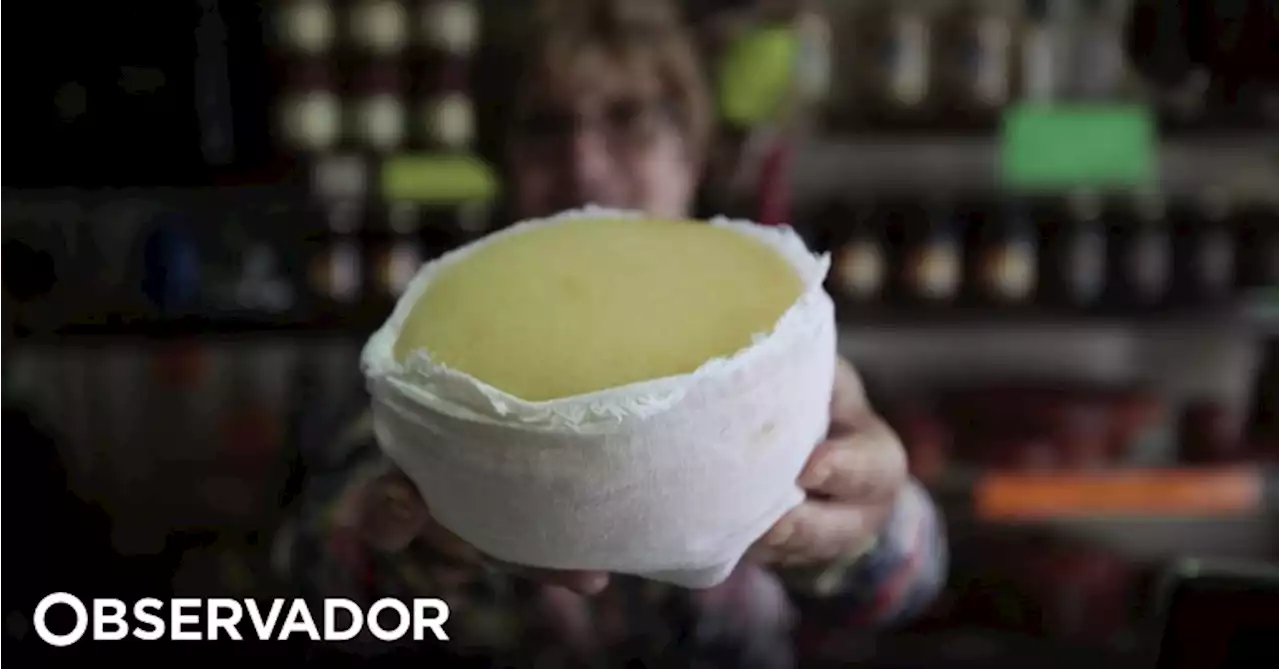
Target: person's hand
pixel 852 480
pixel 393 515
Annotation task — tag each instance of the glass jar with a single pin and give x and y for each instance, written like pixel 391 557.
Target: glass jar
pixel 1008 261
pixel 860 262
pixel 933 261
pixel 311 112
pixel 1079 246
pixel 380 115
pixel 306 26
pixel 450 26
pixel 380 26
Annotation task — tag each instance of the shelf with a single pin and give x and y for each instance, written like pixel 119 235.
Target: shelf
pixel 1251 315
pixel 832 167
pixel 358 322
pixel 21 204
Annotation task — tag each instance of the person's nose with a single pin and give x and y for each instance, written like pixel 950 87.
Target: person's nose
pixel 589 166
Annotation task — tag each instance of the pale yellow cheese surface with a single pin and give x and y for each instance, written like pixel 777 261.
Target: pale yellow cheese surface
pixel 585 305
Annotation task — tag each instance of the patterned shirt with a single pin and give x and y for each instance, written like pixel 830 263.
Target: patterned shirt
pixel 750 620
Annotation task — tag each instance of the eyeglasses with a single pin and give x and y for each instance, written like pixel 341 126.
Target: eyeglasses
pixel 626 126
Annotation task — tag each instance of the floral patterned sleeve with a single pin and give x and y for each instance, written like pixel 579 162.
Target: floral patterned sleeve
pixel 507 620
pixel 895 581
pixel 320 550
pixel 745 622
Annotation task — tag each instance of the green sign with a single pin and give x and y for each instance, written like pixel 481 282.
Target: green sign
pixel 437 179
pixel 755 75
pixel 1056 146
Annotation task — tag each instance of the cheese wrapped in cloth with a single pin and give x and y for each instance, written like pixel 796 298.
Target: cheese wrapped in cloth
pixel 599 391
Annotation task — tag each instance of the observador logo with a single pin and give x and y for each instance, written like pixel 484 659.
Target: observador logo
pixel 221 619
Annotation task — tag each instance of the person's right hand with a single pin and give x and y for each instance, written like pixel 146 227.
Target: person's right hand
pixel 393 515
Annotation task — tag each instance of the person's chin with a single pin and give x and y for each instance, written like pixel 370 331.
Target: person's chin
pixel 604 202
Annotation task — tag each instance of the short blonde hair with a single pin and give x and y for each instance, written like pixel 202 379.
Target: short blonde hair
pixel 648 35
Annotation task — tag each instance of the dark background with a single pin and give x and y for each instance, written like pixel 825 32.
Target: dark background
pixel 164 407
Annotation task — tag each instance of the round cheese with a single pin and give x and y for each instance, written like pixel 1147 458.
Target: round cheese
pixel 593 304
pixel 596 390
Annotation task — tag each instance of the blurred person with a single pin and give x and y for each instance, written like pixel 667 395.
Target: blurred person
pixel 61 542
pixel 608 106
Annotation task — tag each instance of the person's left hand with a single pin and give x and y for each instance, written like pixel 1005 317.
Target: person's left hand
pixel 852 480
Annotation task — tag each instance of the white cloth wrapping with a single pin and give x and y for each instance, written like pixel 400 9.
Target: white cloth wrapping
pixel 671 479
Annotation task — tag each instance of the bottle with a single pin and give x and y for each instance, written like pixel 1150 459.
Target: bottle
pixel 340 178
pixel 856 63
pixel 311 112
pixel 981 41
pixel 379 27
pixel 337 270
pixel 343 216
pixel 813 69
pixel 403 217
pixel 1204 251
pixel 450 26
pixel 1164 49
pixel 306 26
pixel 398 265
pixel 1100 60
pixel 1077 241
pixel 1143 252
pixel 906 50
pixel 933 262
pixel 447 121
pixel 860 265
pixel 1008 258
pixel 380 110
pixel 172 267
pixel 444 113
pixel 1041 53
pixel 261 283
pixel 1255 226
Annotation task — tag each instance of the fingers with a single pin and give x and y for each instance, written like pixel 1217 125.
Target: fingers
pixel 570 616
pixel 848 398
pixel 392 513
pixel 582 582
pixel 852 478
pixel 443 541
pixel 868 465
pixel 818 531
pixel 395 515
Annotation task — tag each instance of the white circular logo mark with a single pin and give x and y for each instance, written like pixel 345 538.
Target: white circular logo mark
pixel 82 619
pixel 402 612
